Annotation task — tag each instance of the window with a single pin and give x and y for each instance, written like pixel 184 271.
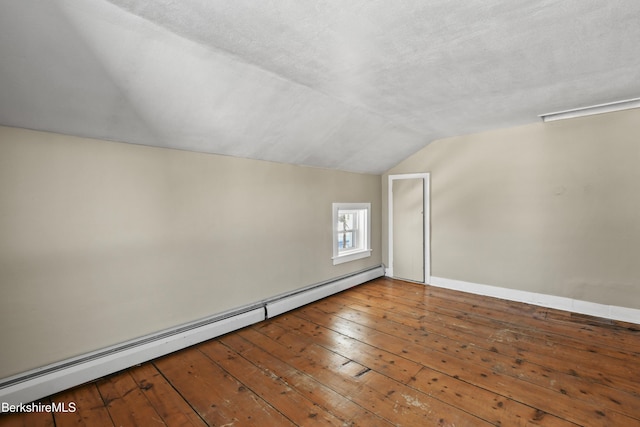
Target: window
pixel 351 231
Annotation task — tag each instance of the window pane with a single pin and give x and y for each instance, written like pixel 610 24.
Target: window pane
pixel 346 220
pixel 345 240
pixel 349 221
pixel 350 231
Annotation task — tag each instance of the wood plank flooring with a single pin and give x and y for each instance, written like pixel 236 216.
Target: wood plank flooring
pixel 386 353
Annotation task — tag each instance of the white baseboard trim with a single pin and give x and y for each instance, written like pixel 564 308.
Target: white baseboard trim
pixel 612 312
pixel 45 381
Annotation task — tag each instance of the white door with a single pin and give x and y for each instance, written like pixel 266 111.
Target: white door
pixel 408 229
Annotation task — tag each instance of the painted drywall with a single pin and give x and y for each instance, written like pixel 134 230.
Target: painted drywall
pixel 551 208
pixel 103 242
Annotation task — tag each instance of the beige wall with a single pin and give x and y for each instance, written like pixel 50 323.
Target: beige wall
pixel 549 208
pixel 102 242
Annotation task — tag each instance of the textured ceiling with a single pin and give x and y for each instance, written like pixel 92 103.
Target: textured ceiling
pixel 356 85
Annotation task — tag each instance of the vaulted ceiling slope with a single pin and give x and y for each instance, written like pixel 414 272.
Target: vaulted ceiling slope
pixel 352 85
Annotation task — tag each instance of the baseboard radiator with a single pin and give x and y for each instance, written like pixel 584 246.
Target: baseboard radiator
pixel 42 382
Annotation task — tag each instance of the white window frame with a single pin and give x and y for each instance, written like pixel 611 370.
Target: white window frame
pixel 362 233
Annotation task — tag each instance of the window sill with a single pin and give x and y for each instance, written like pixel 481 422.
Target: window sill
pixel 351 256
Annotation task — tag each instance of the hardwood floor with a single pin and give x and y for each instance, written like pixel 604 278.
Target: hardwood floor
pixel 384 353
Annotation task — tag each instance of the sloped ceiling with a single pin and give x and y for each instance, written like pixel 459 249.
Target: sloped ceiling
pixel 352 85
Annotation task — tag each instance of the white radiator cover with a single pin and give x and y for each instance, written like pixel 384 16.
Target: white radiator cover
pixel 308 295
pixel 42 382
pixel 45 381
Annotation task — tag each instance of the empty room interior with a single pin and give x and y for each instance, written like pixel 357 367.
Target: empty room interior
pixel 320 213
